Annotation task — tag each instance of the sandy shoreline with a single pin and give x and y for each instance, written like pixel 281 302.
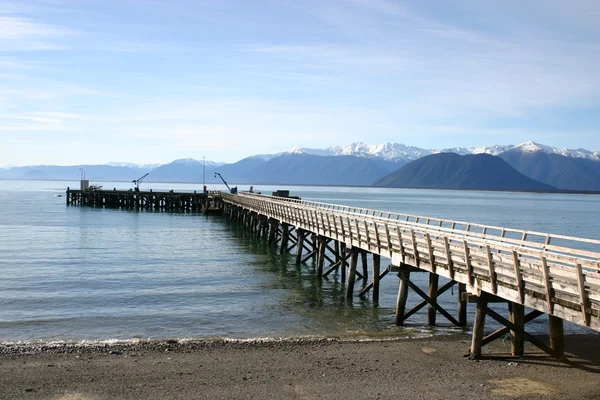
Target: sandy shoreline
pixel 424 368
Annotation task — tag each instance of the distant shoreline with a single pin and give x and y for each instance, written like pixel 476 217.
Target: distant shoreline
pixel 552 191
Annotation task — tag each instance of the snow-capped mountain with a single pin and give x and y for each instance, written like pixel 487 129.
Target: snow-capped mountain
pixel 192 161
pixel 532 147
pixel 493 150
pixel 265 157
pixel 133 165
pixel 387 151
pixel 316 152
pixel 400 152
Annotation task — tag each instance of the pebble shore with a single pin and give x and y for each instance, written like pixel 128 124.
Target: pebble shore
pixel 423 368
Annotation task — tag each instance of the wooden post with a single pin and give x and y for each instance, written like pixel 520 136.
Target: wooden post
pixel 285 237
pixel 365 267
pixel 478 327
pixel 273 226
pixel 321 257
pixel 404 275
pixel 376 269
pixel 462 304
pixel 300 243
pixel 314 244
pixel 517 317
pixel 557 335
pixel 433 293
pixel 352 273
pixel 343 264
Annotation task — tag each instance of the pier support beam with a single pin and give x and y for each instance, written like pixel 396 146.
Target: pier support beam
pixel 285 237
pixel 365 267
pixel 273 228
pixel 462 305
pixel 322 246
pixel 404 276
pixel 376 269
pixel 517 337
pixel 344 264
pixel 557 335
pixel 301 237
pixel 478 327
pixel 433 295
pixel 352 273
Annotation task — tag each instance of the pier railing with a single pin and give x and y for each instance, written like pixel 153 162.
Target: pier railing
pixel 555 274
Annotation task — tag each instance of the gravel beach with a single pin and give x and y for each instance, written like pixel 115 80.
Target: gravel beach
pixel 425 368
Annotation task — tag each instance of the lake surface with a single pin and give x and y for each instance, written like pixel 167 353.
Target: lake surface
pixel 75 273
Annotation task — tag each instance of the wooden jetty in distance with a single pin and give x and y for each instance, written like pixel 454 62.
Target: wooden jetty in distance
pixel 553 275
pixel 145 200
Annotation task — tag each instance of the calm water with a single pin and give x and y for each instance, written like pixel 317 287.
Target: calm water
pixel 71 273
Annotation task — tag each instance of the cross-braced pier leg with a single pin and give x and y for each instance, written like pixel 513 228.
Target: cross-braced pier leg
pixel 377 277
pixel 430 299
pixel 515 324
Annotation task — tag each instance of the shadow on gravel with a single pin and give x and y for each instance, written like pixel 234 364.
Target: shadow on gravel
pixel 581 351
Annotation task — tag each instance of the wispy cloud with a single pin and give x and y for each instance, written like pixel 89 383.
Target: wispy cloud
pixel 25 34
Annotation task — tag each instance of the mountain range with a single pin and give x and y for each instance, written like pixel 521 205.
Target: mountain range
pixel 363 164
pixel 398 151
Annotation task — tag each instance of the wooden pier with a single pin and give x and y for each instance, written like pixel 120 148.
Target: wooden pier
pixel 145 200
pixel 553 275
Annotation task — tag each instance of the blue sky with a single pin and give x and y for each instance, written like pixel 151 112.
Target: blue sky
pixel 86 81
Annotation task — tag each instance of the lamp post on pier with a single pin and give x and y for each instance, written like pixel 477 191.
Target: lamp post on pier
pixel 204 175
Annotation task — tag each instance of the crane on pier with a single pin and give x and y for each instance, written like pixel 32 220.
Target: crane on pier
pixel 232 190
pixel 139 181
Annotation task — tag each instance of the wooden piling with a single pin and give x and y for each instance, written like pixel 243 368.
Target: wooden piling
pixel 344 264
pixel 462 304
pixel 404 276
pixel 376 270
pixel 352 273
pixel 433 294
pixel 479 326
pixel 321 257
pixel 285 237
pixel 273 227
pixel 517 316
pixel 313 244
pixel 365 267
pixel 301 235
pixel 557 335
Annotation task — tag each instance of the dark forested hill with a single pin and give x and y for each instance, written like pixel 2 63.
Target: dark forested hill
pixel 451 171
